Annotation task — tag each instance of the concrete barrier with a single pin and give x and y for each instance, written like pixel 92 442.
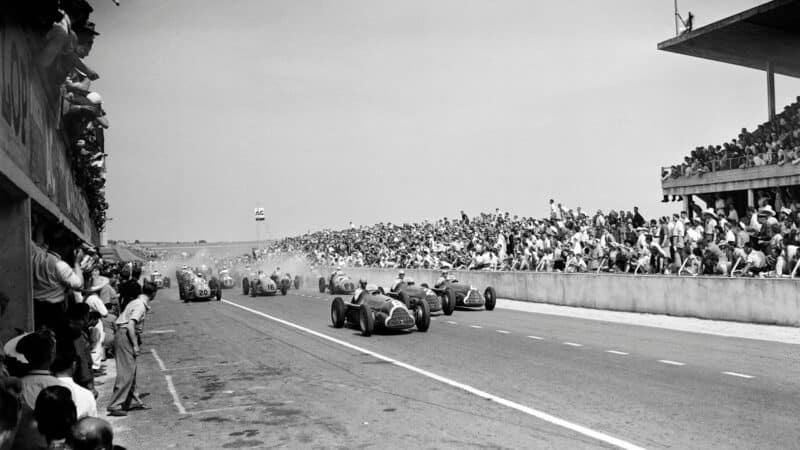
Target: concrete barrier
pixel 754 300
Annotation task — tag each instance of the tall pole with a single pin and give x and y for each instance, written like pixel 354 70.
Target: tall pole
pixel 770 91
pixel 675 16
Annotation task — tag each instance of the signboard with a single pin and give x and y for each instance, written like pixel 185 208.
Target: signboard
pixel 260 214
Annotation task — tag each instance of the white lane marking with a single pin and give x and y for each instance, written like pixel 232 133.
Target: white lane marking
pixel 616 352
pixel 503 332
pixel 671 363
pixel 475 326
pixel 536 338
pixel 452 322
pixel 158 360
pixel 175 399
pixel 477 392
pixel 205 367
pixel 740 375
pixel 159 331
pixel 573 344
pixel 171 387
pixel 226 408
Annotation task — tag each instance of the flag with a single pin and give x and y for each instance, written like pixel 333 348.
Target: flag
pixel 260 215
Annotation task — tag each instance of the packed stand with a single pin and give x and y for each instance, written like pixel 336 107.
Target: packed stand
pixel 775 142
pixel 64 36
pixel 86 311
pixel 715 241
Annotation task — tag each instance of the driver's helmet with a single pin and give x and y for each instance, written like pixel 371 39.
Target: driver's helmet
pixel 401 274
pixel 445 272
pixel 362 283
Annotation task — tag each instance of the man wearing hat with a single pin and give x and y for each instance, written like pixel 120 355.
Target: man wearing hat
pixel 710 228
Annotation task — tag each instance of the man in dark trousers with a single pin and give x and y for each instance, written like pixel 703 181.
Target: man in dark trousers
pixel 126 348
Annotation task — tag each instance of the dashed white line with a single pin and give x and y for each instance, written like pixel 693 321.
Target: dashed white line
pixel 600 436
pixel 452 322
pixel 573 344
pixel 740 375
pixel 159 331
pixel 503 332
pixel 475 326
pixel 175 399
pixel 616 352
pixel 671 363
pixel 536 338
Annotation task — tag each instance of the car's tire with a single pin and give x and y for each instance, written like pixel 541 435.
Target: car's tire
pixel 406 301
pixel 321 285
pixel 284 288
pixel 245 286
pixel 490 297
pixel 297 282
pixel 219 295
pixel 366 321
pixel 338 312
pixel 448 301
pixel 422 316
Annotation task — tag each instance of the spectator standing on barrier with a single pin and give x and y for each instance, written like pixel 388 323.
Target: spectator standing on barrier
pixel 52 277
pixel 126 349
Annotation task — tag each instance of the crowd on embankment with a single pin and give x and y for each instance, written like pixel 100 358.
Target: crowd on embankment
pixel 761 242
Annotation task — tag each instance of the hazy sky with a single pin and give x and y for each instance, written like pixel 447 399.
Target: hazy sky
pixel 329 111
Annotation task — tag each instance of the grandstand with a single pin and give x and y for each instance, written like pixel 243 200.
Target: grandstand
pixel 757 164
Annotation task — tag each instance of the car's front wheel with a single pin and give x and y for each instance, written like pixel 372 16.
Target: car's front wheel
pixel 448 301
pixel 297 282
pixel 338 312
pixel 322 285
pixel 366 320
pixel 245 286
pixel 422 316
pixel 490 297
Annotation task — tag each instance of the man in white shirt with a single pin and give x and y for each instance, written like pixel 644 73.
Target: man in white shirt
pixel 97 332
pixel 63 368
pixel 51 277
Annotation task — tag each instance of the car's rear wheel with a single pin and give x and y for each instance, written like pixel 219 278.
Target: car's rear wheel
pixel 245 286
pixel 297 282
pixel 490 297
pixel 365 320
pixel 322 285
pixel 422 316
pixel 338 312
pixel 219 294
pixel 448 301
pixel 284 288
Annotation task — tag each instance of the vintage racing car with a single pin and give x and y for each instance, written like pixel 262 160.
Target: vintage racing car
pixel 192 286
pixel 374 310
pixel 466 296
pixel 262 284
pixel 286 279
pixel 225 279
pixel 442 301
pixel 159 280
pixel 339 284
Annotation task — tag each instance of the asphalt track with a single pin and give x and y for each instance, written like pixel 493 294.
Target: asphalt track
pixel 271 371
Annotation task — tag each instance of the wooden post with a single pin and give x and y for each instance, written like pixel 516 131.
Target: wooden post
pixel 770 91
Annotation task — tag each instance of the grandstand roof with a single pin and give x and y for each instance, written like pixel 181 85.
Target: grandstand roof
pixel 753 38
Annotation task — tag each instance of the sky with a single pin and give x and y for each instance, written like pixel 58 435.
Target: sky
pixel 326 112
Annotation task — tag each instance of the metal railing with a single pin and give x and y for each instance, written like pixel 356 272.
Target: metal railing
pixel 739 162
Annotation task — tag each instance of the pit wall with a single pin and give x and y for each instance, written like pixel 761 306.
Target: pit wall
pixel 753 300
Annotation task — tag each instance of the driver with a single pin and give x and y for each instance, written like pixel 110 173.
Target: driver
pixel 276 274
pixel 400 279
pixel 443 279
pixel 362 286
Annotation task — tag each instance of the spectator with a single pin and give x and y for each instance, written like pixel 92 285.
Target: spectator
pixel 126 349
pixel 72 337
pixel 64 368
pixel 91 433
pixel 10 415
pixel 55 414
pixel 51 277
pixel 38 349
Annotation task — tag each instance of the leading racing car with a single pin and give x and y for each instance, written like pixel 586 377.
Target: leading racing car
pixel 465 295
pixel 225 279
pixel 370 309
pixel 159 280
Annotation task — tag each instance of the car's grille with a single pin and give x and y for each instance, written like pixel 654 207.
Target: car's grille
pixel 473 298
pixel 434 302
pixel 400 318
pixel 349 287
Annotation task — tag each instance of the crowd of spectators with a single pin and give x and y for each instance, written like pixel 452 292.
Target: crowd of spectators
pixel 715 241
pixel 85 312
pixel 64 35
pixel 774 142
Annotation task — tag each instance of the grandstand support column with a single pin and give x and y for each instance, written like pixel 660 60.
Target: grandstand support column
pixel 16 277
pixel 751 198
pixel 770 91
pixel 687 203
